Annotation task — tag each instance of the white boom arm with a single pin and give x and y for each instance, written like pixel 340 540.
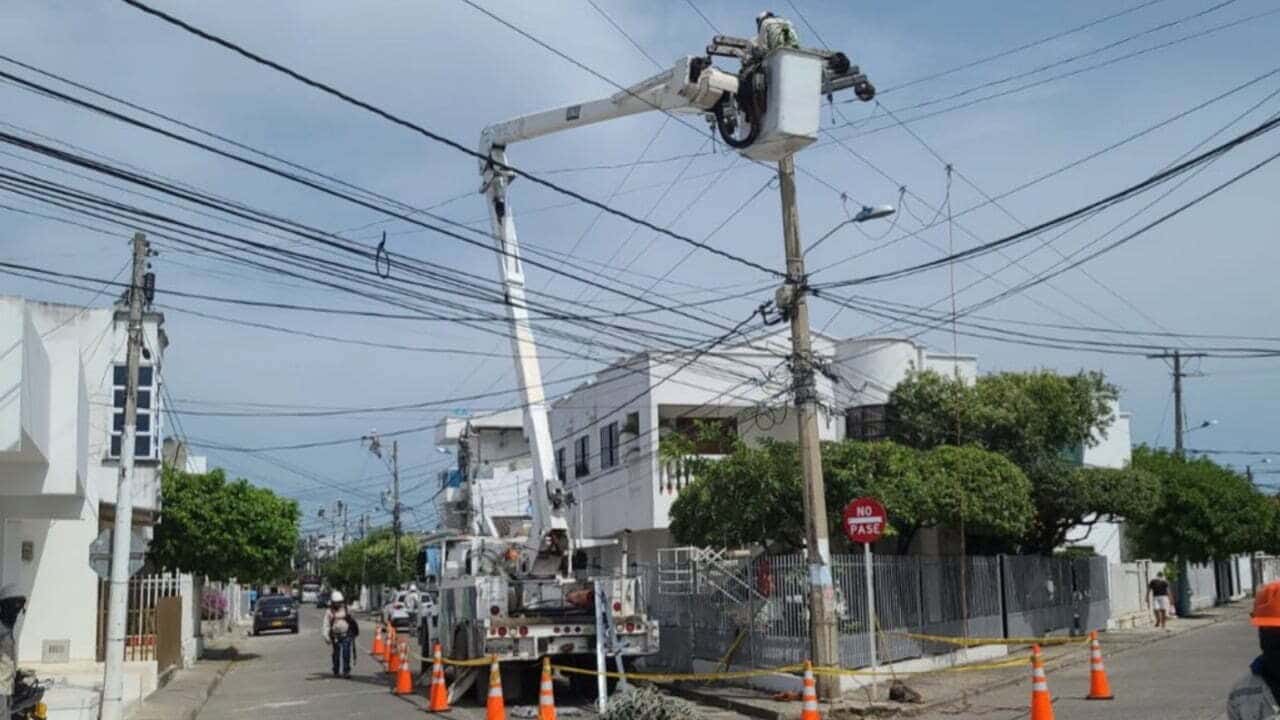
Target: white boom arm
pixel 671 91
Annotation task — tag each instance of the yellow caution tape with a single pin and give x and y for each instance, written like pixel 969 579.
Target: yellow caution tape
pixel 974 641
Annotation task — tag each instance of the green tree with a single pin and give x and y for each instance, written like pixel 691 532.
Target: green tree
pixel 222 530
pixel 1037 420
pixel 372 561
pixel 1067 496
pixel 754 495
pixel 1205 511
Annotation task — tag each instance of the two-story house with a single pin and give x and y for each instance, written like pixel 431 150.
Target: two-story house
pixel 62 379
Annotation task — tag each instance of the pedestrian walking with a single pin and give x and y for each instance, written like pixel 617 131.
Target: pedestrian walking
pixel 1158 599
pixel 1256 696
pixel 12 605
pixel 339 629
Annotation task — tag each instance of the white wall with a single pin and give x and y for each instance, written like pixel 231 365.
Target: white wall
pixel 51 505
pixel 872 367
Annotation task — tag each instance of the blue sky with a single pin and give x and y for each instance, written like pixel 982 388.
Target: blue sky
pixel 448 67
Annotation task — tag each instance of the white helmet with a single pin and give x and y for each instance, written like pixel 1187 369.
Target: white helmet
pixel 335 597
pixel 763 16
pixel 413 588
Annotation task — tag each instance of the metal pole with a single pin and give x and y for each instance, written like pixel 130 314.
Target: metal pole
pixel 395 497
pixel 602 666
pixel 822 621
pixel 870 573
pixel 118 600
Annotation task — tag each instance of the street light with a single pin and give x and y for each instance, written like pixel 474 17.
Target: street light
pixel 1203 425
pixel 868 212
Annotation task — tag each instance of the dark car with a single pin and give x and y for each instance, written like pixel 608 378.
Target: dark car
pixel 322 599
pixel 275 612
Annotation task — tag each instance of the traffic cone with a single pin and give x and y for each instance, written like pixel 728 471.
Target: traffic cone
pixel 1041 703
pixel 439 695
pixel 388 645
pixel 1099 686
pixel 393 659
pixel 495 708
pixel 809 698
pixel 546 693
pixel 404 678
pixel 379 650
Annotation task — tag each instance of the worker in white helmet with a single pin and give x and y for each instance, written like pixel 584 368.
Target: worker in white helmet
pixel 12 604
pixel 340 630
pixel 773 32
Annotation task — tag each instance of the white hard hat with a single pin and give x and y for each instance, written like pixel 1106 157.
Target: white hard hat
pixel 335 596
pixel 413 588
pixel 764 16
pixel 10 590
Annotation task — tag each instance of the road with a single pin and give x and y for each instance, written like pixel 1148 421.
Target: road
pixel 1186 677
pixel 289 676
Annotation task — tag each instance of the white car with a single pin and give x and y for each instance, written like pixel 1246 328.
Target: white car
pixel 397 612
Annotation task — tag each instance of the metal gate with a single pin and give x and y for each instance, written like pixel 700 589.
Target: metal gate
pixel 144 594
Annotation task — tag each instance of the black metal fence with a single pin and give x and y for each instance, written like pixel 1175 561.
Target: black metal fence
pixel 754 613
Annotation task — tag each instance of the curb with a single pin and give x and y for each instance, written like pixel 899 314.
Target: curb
pixel 745 709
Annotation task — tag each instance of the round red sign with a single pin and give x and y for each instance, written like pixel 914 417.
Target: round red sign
pixel 864 520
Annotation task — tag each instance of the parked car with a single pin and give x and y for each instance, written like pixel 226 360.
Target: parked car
pixel 322 599
pixel 275 612
pixel 396 612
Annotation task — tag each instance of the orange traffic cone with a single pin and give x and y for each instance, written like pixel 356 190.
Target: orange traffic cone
pixel 495 708
pixel 394 657
pixel 1099 686
pixel 388 646
pixel 379 650
pixel 809 710
pixel 404 678
pixel 439 695
pixel 546 693
pixel 1041 702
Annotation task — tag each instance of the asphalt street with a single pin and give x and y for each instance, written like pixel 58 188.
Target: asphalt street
pixel 1186 677
pixel 282 675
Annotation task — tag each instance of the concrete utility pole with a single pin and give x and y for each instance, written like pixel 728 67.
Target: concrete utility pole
pixel 118 598
pixel 1179 424
pixel 822 618
pixel 395 499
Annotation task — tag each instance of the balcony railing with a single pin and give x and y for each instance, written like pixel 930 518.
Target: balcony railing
pixel 675 475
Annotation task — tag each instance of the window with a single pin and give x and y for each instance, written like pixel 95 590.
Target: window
pixel 560 473
pixel 867 422
pixel 146 444
pixel 609 445
pixel 582 456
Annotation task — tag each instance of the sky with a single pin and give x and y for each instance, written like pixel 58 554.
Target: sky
pixel 975 87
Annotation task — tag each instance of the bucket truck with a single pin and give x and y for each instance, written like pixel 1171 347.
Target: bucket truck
pixel 511 590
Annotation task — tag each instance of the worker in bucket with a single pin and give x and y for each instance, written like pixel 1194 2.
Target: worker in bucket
pixel 1256 696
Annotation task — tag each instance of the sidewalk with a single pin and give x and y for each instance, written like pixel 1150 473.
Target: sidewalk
pixel 187 692
pixel 951 686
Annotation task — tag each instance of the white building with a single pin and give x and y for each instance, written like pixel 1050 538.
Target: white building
pixel 1114 449
pixel 61 412
pixel 501 466
pixel 608 432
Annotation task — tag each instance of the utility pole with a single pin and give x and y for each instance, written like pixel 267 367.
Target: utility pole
pixel 118 599
pixel 1179 424
pixel 342 509
pixel 395 499
pixel 822 619
pixel 1182 589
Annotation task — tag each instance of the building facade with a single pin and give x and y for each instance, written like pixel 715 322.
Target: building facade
pixel 61 415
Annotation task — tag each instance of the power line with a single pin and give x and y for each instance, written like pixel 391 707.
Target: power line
pixel 1090 208
pixel 386 115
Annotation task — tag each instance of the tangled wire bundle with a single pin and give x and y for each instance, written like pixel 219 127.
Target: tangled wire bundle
pixel 645 703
